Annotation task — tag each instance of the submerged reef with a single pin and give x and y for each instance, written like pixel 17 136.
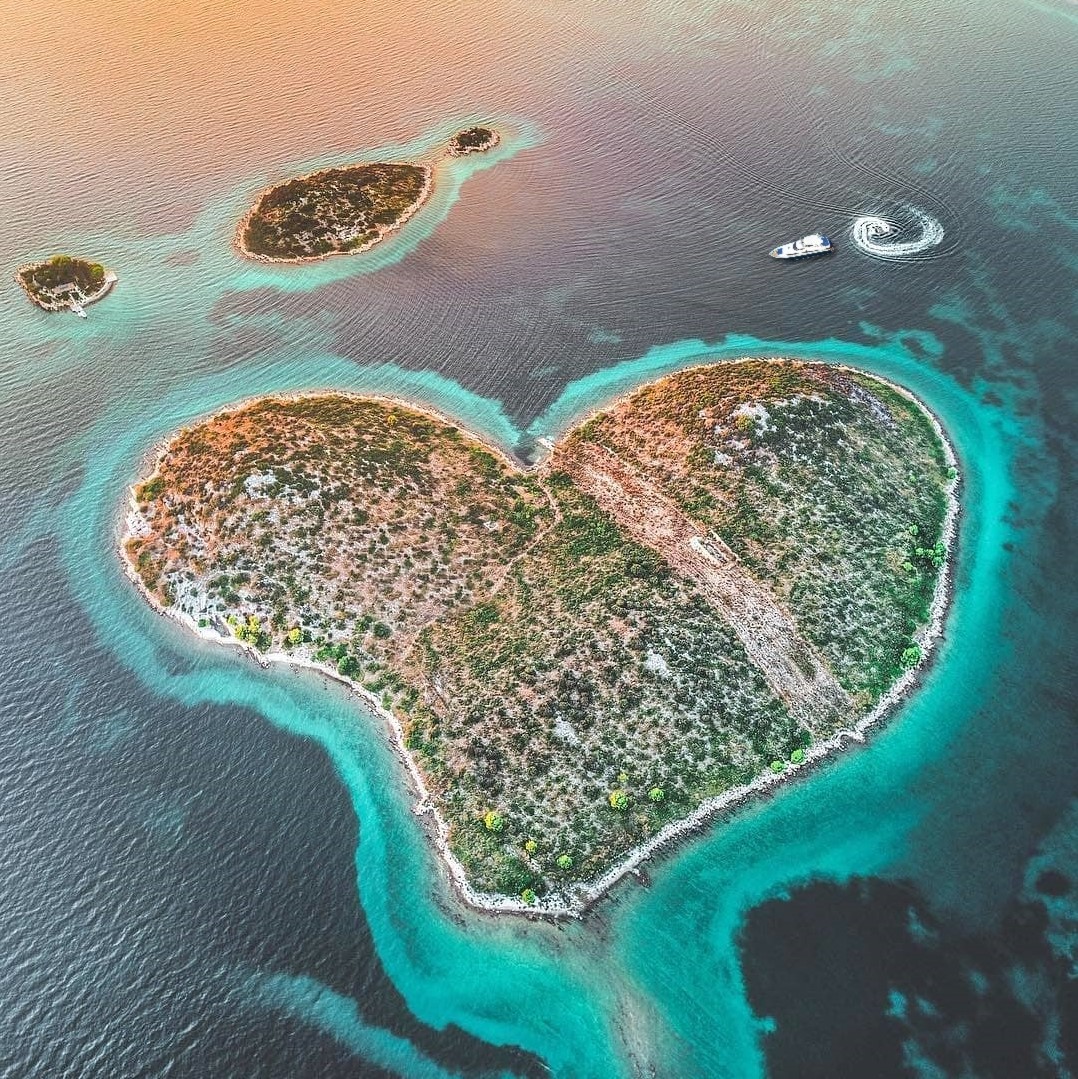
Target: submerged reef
pixel 701 586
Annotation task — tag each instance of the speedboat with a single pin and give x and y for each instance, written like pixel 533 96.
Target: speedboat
pixel 816 244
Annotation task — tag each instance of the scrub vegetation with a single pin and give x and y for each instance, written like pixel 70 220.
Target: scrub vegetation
pixel 59 282
pixel 700 582
pixel 341 211
pixel 333 212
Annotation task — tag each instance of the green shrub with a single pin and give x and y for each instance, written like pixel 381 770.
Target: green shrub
pixel 656 794
pixel 778 766
pixel 911 656
pixel 528 895
pixel 494 822
pixel 481 616
pixel 564 861
pixel 618 799
pixel 150 489
pixel 798 756
pixel 251 632
pixel 512 876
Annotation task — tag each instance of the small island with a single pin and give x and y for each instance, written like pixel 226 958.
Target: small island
pixel 64 283
pixel 344 211
pixel 703 588
pixel 473 140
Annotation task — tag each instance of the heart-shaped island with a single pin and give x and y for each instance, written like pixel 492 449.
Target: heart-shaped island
pixel 699 589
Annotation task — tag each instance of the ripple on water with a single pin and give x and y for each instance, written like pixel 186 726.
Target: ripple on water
pixel 897 240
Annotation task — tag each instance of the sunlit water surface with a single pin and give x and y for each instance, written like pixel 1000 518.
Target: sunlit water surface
pixel 207 869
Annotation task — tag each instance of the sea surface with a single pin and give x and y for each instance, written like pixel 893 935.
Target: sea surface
pixel 207 869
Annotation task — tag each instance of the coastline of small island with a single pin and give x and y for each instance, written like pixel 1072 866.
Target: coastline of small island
pixel 473 140
pixel 346 210
pixel 65 283
pixel 592 490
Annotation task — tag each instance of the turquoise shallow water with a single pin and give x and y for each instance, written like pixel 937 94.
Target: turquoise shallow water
pixel 213 869
pixel 529 981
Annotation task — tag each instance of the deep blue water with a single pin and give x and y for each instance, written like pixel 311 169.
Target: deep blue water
pixel 207 869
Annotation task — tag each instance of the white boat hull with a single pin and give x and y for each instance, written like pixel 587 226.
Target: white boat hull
pixel 806 247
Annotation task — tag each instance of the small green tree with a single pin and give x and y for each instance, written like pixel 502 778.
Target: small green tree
pixel 618 799
pixel 251 631
pixel 778 766
pixel 911 656
pixel 295 635
pixel 531 846
pixel 528 895
pixel 798 756
pixel 565 862
pixel 494 822
pixel 656 794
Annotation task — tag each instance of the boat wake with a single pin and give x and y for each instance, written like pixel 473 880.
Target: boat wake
pixel 888 239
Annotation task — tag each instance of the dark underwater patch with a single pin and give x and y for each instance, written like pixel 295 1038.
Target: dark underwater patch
pixel 861 980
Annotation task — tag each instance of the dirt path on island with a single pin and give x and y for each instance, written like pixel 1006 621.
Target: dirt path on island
pixel 793 668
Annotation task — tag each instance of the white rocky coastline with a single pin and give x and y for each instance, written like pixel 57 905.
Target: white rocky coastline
pixel 72 299
pixel 573 901
pixel 382 230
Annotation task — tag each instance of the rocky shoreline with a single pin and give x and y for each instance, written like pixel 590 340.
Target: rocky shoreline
pixel 74 301
pixel 573 901
pixel 383 231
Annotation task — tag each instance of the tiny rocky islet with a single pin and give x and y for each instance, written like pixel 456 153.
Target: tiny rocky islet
pixel 65 283
pixel 701 587
pixel 473 140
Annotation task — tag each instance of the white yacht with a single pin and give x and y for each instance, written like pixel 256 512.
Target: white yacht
pixel 816 244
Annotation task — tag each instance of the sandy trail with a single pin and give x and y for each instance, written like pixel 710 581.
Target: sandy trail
pixel 793 668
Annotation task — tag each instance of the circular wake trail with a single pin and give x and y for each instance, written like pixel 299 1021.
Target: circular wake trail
pixel 887 240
